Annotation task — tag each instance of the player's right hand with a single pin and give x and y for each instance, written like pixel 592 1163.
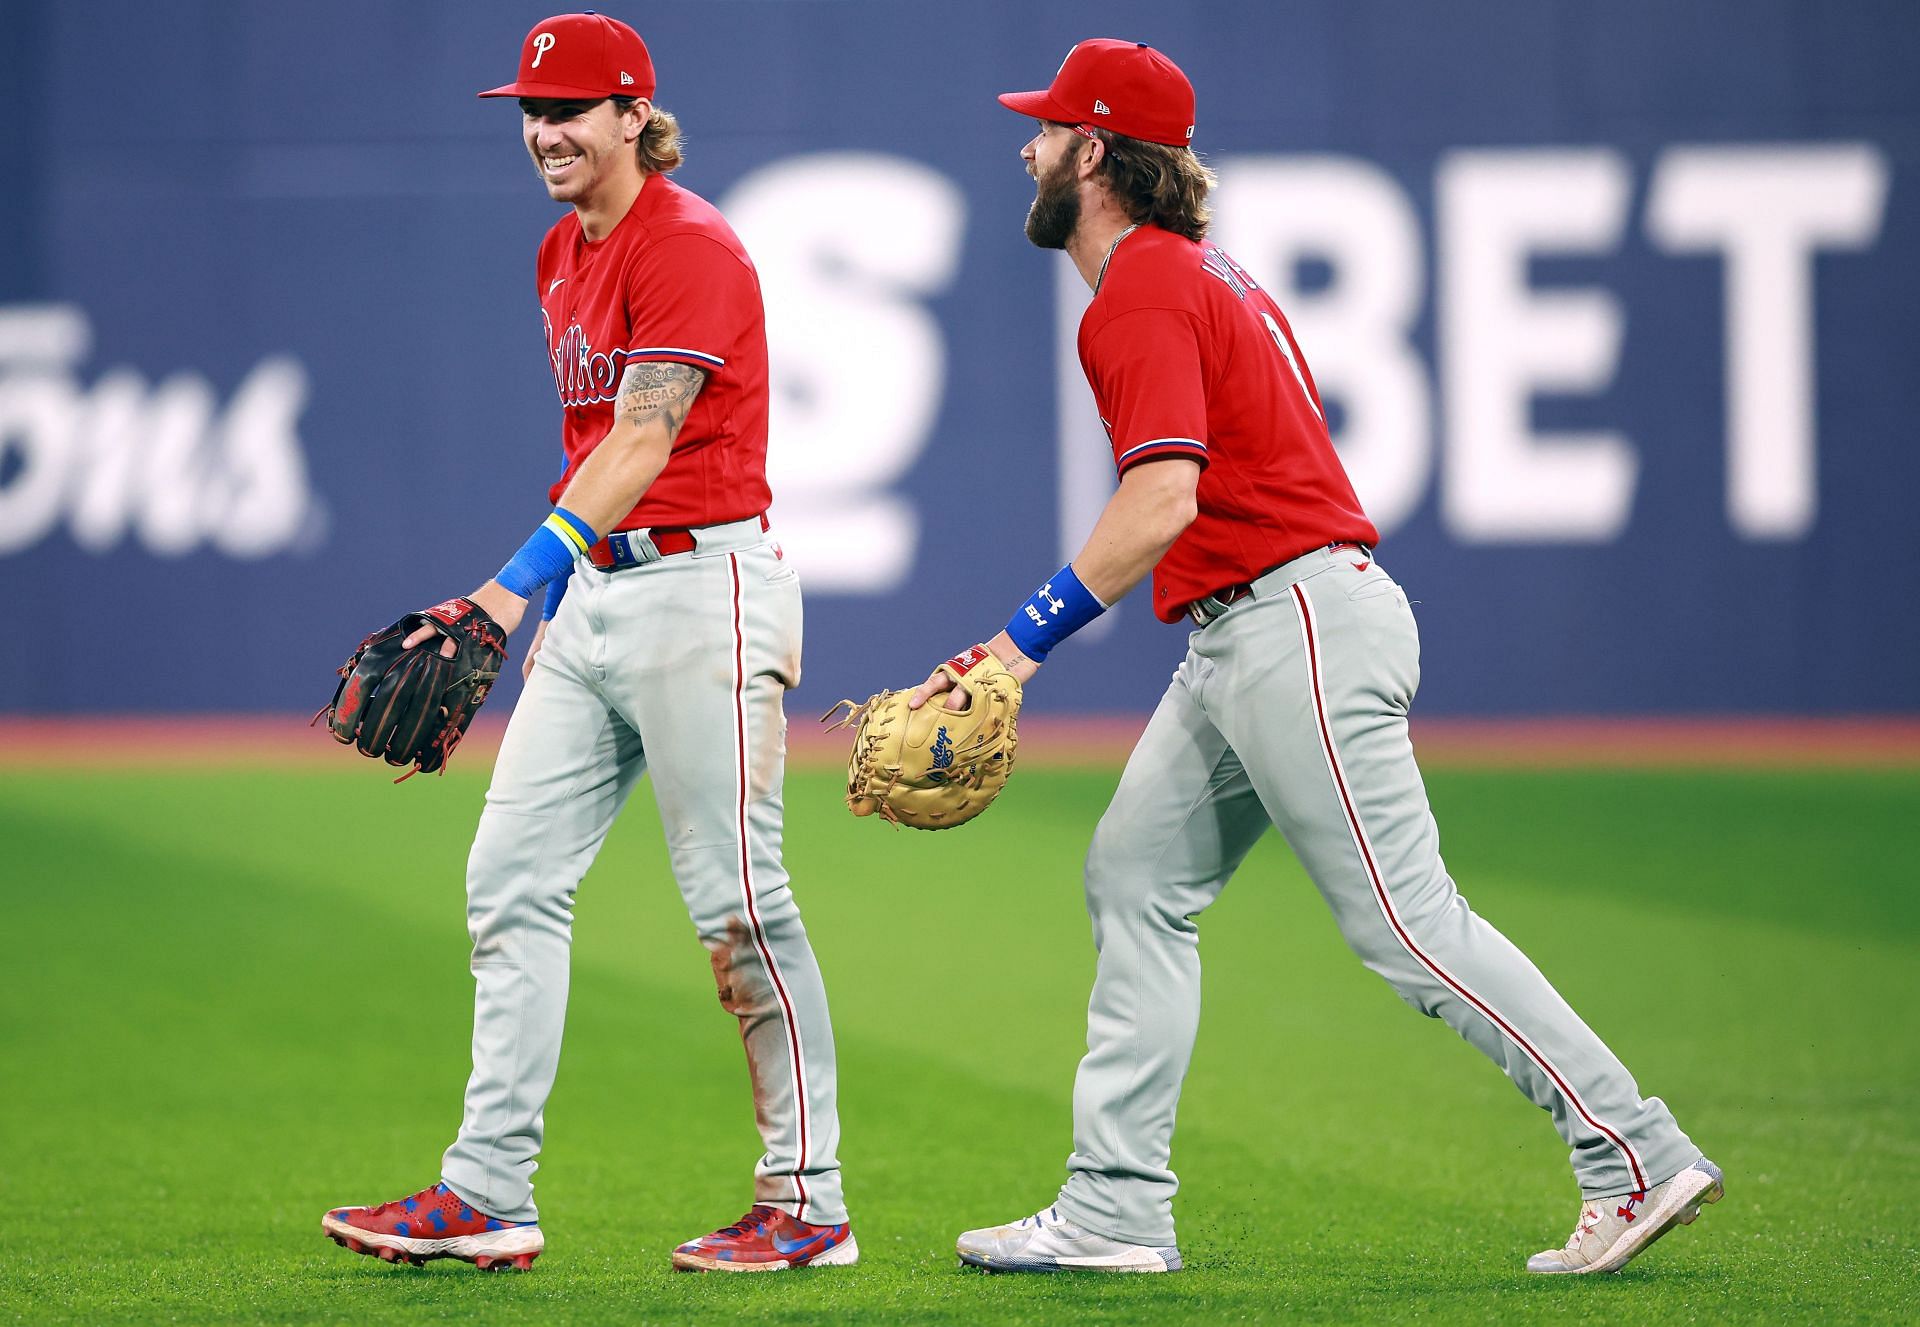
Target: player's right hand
pixel 539 638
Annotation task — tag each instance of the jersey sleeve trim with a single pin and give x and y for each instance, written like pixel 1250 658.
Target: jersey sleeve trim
pixel 677 353
pixel 1190 447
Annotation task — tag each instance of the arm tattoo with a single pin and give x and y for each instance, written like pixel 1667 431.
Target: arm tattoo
pixel 656 390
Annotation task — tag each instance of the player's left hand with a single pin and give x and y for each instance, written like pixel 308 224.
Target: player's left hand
pixel 499 603
pixel 411 706
pixel 1002 648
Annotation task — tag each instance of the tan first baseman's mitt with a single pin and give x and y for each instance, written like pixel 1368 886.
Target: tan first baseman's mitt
pixel 934 768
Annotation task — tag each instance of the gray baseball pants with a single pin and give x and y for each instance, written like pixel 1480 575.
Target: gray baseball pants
pixel 1290 709
pixel 678 668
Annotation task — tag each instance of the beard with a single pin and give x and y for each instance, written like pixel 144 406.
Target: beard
pixel 1055 213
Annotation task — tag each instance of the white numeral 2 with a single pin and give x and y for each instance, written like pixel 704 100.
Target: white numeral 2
pixel 1280 339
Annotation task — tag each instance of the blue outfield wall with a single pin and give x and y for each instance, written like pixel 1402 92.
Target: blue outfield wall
pixel 1614 307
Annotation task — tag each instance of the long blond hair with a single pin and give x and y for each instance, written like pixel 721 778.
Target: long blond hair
pixel 659 147
pixel 1158 184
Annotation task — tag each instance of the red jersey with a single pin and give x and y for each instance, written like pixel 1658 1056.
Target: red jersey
pixel 1187 356
pixel 671 283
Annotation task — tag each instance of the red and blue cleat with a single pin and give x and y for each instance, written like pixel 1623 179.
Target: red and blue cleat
pixel 767 1239
pixel 435 1223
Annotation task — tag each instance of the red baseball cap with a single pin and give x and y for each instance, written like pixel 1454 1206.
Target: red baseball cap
pixel 581 55
pixel 1125 86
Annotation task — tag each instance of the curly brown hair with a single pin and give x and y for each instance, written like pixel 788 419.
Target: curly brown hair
pixel 659 145
pixel 1158 184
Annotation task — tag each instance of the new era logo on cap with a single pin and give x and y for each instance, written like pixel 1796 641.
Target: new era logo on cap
pixel 626 80
pixel 1100 107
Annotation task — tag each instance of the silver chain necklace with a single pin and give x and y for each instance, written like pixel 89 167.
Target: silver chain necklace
pixel 1109 258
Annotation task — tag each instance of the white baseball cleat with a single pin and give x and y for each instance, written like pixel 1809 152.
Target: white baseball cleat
pixel 1611 1231
pixel 1048 1242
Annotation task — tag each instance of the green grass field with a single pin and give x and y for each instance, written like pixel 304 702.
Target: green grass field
pixel 233 999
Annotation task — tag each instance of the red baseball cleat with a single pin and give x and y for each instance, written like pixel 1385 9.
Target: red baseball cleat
pixel 766 1239
pixel 435 1223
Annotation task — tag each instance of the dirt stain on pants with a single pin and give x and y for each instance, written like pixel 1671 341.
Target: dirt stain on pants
pixel 740 979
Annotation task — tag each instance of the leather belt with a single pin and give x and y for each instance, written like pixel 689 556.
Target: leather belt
pixel 1208 609
pixel 636 548
pixel 1205 611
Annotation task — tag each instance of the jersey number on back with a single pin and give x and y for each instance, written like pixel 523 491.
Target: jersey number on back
pixel 1280 339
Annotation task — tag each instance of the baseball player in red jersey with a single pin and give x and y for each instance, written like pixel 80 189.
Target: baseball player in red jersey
pixel 1290 708
pixel 668 650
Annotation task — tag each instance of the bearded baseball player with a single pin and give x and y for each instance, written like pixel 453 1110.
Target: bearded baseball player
pixel 1290 708
pixel 668 650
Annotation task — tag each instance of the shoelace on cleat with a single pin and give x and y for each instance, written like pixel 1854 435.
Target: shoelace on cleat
pixel 1589 1218
pixel 759 1216
pixel 432 1191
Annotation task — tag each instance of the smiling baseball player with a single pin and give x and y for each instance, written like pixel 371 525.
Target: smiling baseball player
pixel 670 654
pixel 1289 710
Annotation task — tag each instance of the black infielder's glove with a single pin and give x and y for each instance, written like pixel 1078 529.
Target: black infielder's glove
pixel 412 706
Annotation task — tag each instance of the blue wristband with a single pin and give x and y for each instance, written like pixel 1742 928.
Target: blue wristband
pixel 1058 609
pixel 556 591
pixel 548 552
